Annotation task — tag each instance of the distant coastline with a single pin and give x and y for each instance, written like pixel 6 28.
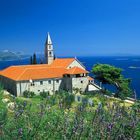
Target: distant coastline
pixel 133 67
pixel 7 55
pixel 22 58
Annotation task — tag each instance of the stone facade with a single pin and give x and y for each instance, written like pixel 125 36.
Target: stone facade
pixel 73 81
pixel 51 85
pixel 38 86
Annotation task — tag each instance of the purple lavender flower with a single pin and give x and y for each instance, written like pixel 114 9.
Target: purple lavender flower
pixel 49 97
pixel 97 110
pixel 110 126
pixel 21 111
pixel 99 105
pixel 25 103
pixel 20 131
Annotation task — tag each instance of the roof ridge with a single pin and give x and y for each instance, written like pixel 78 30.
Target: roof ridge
pixel 44 68
pixel 26 65
pixel 66 58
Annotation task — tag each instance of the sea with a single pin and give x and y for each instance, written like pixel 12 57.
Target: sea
pixel 129 64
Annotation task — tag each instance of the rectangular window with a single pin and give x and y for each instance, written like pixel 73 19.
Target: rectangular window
pixel 41 82
pixel 57 81
pixel 49 81
pixel 33 83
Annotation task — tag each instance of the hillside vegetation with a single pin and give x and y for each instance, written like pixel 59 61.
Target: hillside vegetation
pixel 95 117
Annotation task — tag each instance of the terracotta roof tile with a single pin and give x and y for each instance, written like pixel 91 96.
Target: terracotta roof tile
pixel 41 71
pixel 27 73
pixel 76 70
pixel 62 62
pixel 90 78
pixel 12 72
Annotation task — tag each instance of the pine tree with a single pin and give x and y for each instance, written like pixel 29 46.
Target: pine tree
pixel 34 59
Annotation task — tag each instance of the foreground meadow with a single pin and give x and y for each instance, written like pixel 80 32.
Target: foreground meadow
pixel 94 117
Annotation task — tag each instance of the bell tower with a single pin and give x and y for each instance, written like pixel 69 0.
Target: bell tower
pixel 49 54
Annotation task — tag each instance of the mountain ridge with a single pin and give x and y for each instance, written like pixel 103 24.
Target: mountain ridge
pixel 6 55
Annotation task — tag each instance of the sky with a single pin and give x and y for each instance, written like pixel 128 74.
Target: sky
pixel 77 27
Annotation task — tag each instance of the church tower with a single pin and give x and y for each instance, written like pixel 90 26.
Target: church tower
pixel 49 54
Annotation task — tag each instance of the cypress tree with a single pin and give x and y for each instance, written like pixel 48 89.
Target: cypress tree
pixel 34 59
pixel 31 60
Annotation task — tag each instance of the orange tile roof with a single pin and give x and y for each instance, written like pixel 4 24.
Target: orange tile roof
pixel 90 78
pixel 20 73
pixel 62 62
pixel 41 71
pixel 12 72
pixel 76 70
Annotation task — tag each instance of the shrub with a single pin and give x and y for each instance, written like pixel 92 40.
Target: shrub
pixel 69 99
pixel 25 94
pixel 44 94
pixel 32 94
pixel 28 94
pixel 46 120
pixel 3 109
pixel 137 132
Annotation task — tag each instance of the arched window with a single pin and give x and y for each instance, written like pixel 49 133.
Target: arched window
pixel 50 53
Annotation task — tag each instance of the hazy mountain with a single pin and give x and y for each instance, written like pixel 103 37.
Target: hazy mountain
pixel 9 55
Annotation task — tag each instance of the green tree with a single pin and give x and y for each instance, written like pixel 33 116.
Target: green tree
pixel 34 59
pixel 111 75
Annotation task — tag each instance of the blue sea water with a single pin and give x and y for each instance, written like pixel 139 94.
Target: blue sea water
pixel 130 66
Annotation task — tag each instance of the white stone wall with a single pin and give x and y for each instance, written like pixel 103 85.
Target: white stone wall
pixel 92 88
pixel 80 83
pixel 37 87
pixel 66 83
pixel 76 63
